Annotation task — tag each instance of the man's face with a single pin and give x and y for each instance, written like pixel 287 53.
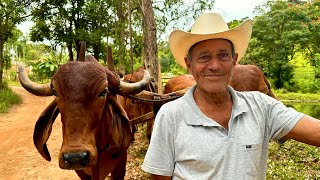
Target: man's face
pixel 212 64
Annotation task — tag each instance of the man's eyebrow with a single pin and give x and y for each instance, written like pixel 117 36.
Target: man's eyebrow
pixel 223 50
pixel 203 53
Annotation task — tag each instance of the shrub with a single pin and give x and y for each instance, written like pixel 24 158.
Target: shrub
pixel 8 98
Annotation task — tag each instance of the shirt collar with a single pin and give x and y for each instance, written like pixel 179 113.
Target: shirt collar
pixel 198 118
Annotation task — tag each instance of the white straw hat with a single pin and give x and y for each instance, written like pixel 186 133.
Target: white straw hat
pixel 210 26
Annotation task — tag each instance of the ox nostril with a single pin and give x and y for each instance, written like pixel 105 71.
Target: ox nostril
pixel 74 159
pixel 85 159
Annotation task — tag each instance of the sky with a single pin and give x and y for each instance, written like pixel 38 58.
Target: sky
pixel 229 9
pixel 236 9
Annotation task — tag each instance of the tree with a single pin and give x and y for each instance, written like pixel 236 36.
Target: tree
pixel 106 23
pixel 64 28
pixel 12 12
pixel 276 36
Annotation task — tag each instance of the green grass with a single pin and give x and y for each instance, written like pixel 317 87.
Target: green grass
pixel 293 160
pixel 7 99
pixel 14 83
pixel 292 96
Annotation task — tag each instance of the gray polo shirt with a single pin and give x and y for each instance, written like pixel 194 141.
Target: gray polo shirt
pixel 186 144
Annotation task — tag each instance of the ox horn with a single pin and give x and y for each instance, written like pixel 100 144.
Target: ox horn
pixel 134 88
pixel 32 87
pixel 82 52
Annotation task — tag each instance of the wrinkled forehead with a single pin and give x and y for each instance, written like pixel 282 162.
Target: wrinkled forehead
pixel 213 41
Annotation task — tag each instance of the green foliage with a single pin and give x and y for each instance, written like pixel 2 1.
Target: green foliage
pixel 35 52
pixel 304 77
pixel 178 14
pixel 45 69
pixel 11 13
pixel 284 94
pixel 293 160
pixel 7 99
pixel 167 61
pixel 102 23
pixel 282 31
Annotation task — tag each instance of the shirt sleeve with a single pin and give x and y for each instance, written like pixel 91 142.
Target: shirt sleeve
pixel 159 158
pixel 281 120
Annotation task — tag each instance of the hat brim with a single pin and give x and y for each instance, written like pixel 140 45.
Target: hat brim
pixel 180 41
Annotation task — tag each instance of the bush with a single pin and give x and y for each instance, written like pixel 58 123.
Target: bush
pixel 7 99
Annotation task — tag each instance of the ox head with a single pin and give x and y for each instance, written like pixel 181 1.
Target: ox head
pixel 93 121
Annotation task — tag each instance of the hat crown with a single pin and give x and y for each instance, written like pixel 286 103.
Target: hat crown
pixel 209 23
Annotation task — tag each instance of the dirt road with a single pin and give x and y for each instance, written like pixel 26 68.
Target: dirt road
pixel 19 158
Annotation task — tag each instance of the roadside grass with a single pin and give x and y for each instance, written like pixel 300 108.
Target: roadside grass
pixel 7 99
pixel 14 83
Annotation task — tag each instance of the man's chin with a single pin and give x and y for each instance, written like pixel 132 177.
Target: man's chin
pixel 214 88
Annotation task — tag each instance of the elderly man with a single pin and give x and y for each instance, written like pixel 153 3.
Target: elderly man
pixel 213 131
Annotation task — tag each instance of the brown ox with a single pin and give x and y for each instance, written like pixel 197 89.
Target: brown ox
pixel 136 108
pixel 250 78
pixel 245 78
pixel 96 129
pixel 178 83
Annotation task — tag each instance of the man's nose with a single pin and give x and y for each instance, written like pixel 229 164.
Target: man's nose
pixel 214 63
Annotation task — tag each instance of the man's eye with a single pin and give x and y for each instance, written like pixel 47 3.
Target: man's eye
pixel 224 56
pixel 204 58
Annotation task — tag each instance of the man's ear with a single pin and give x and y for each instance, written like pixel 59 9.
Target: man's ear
pixel 235 59
pixel 188 64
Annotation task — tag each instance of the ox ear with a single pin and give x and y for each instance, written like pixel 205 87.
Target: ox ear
pixel 43 129
pixel 121 128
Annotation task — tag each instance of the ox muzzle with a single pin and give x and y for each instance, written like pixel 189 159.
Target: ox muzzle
pixel 76 160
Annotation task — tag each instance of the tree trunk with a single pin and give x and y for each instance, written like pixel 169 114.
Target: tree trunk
pixel 150 49
pixel 69 46
pixel 96 49
pixel 1 64
pixel 77 44
pixel 120 33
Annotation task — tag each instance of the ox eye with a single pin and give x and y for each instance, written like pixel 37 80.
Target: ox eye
pixel 54 92
pixel 103 93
